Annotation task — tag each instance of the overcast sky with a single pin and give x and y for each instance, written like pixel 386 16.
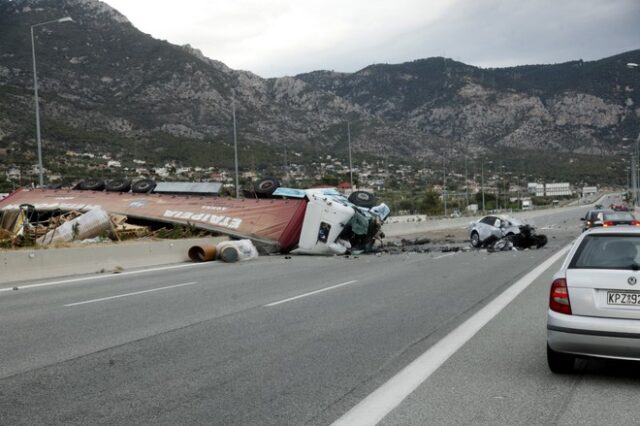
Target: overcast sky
pixel 273 38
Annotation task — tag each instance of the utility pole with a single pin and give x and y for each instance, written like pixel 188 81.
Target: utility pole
pixel 235 140
pixel 466 182
pixel 350 165
pixel 286 165
pixel 444 183
pixel 482 185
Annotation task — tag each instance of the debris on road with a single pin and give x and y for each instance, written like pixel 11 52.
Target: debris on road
pixel 237 250
pixel 202 253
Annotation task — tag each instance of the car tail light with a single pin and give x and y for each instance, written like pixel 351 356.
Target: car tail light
pixel 608 223
pixel 635 222
pixel 559 297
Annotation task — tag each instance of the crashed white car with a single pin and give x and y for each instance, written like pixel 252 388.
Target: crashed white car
pixel 493 227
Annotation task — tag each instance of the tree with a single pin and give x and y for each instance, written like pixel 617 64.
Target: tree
pixel 430 203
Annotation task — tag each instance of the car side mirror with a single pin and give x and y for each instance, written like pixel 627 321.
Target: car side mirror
pixel 582 218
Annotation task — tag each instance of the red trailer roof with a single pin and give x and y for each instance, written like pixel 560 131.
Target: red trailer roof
pixel 276 223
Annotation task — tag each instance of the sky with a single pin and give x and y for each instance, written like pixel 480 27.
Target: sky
pixel 274 38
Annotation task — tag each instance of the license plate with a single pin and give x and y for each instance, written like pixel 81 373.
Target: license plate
pixel 623 298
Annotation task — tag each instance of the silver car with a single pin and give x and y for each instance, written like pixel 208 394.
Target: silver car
pixel 594 302
pixel 499 226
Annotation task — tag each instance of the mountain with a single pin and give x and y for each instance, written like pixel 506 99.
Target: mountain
pixel 575 106
pixel 106 87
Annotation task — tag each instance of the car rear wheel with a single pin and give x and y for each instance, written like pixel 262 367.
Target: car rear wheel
pixel 560 363
pixel 475 239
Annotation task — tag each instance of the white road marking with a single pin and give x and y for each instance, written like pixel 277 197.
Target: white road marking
pixel 100 277
pixel 309 294
pixel 378 404
pixel 444 255
pixel 102 299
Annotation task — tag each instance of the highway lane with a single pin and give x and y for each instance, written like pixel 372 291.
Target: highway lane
pixel 211 351
pixel 500 377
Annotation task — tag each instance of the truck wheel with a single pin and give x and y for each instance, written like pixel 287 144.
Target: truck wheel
pixel 264 188
pixel 363 199
pixel 143 186
pixel 118 185
pixel 91 185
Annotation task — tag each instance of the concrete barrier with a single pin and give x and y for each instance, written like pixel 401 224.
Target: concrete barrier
pixel 22 265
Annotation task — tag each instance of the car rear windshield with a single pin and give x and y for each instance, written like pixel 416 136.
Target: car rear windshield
pixel 608 251
pixel 619 216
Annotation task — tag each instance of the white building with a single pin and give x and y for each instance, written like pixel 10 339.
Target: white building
pixel 589 190
pixel 13 173
pixel 161 171
pixel 536 189
pixel 557 189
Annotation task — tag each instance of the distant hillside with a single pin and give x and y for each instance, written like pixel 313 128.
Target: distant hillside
pixel 107 87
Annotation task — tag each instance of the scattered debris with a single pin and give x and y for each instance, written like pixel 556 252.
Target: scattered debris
pixel 202 253
pixel 238 250
pixel 88 225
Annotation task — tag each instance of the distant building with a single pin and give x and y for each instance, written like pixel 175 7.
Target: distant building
pixel 13 173
pixel 589 190
pixel 536 189
pixel 161 171
pixel 557 189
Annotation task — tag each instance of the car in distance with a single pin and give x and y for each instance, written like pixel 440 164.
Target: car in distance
pixel 619 218
pixel 594 300
pixel 607 218
pixel 593 218
pixel 498 226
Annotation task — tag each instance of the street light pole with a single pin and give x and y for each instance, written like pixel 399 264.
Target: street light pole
pixel 636 157
pixel 350 165
pixel 35 92
pixel 482 185
pixel 235 140
pixel 466 183
pixel 444 183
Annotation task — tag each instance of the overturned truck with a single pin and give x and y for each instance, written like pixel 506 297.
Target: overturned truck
pixel 314 221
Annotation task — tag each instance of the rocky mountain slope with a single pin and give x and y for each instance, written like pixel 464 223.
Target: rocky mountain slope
pixel 107 87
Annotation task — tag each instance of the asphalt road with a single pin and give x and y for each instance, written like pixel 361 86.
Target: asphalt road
pixel 285 341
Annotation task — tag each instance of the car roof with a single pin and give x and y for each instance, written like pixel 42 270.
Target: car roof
pixel 633 230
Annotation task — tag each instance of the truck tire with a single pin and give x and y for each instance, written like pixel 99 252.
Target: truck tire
pixel 143 186
pixel 118 185
pixel 264 187
pixel 363 199
pixel 91 185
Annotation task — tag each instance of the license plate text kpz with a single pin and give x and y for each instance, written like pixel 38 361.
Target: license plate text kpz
pixel 622 298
